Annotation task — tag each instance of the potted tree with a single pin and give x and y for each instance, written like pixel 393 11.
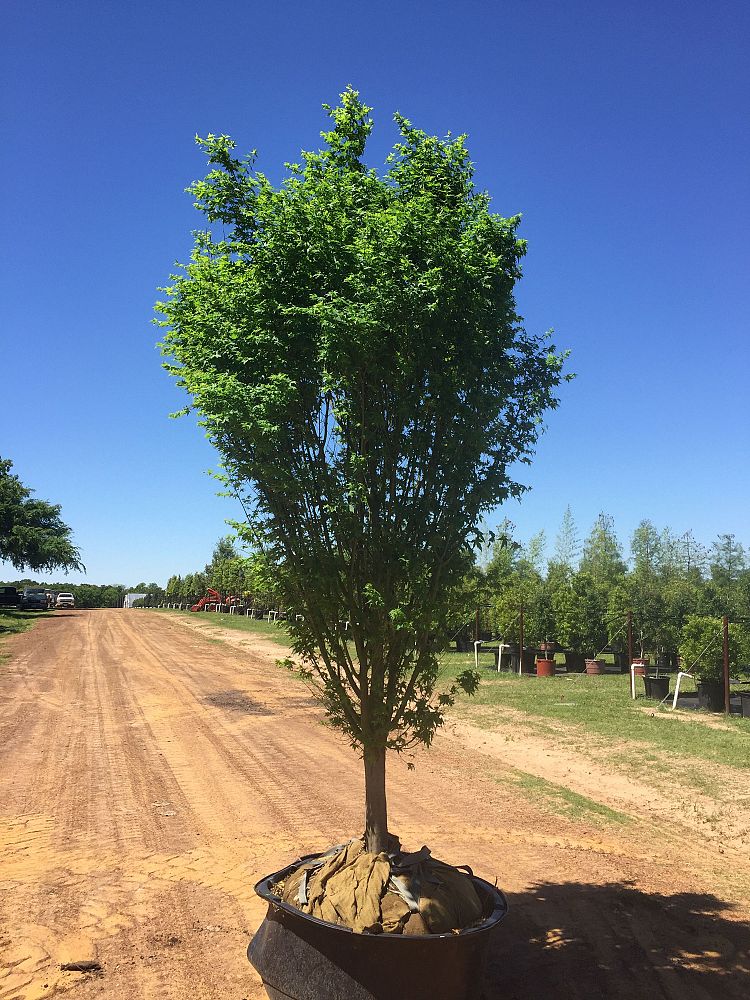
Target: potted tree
pixel 352 345
pixel 702 653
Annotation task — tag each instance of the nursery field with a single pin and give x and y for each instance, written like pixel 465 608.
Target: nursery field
pixel 155 765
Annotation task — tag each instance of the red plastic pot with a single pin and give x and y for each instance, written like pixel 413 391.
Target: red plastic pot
pixel 545 668
pixel 594 667
pixel 640 665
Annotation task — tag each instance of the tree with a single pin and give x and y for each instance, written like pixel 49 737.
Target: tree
pixel 702 649
pixel 602 555
pixel 728 561
pixel 692 557
pixel 567 547
pixel 503 558
pixel 224 550
pixel 353 348
pixel 644 586
pixel 32 533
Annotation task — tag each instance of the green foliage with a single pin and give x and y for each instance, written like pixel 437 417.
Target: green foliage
pixel 584 604
pixel 353 347
pixel 567 547
pixel 32 533
pixel 702 647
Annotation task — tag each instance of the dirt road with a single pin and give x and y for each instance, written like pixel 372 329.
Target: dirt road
pixel 149 776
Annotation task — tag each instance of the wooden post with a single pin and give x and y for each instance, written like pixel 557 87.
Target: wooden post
pixel 520 651
pixel 726 665
pixel 476 626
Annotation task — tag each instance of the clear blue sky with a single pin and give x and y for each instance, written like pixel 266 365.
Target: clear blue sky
pixel 618 129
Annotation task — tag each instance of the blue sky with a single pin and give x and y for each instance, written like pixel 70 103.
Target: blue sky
pixel 618 130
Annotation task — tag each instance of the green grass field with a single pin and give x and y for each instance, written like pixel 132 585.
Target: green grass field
pixel 602 707
pixel 269 630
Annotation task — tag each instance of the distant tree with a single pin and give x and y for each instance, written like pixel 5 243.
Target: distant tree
pixel 223 551
pixel 702 646
pixel 602 555
pixel 504 557
pixel 533 552
pixel 567 545
pixel 32 533
pixel 86 595
pixel 644 585
pixel 692 556
pixel 353 346
pixel 728 562
pixel 113 595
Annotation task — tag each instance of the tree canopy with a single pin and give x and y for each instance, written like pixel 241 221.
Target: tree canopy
pixel 352 345
pixel 32 534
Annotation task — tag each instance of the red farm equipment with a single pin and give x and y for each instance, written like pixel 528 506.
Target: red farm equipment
pixel 210 597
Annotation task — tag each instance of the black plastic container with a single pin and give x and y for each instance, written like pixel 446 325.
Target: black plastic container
pixel 711 695
pixel 656 687
pixel 299 957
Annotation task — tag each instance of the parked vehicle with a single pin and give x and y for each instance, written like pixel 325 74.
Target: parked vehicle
pixel 34 599
pixel 9 597
pixel 65 601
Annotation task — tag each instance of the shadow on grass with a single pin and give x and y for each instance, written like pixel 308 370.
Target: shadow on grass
pixel 13 620
pixel 573 941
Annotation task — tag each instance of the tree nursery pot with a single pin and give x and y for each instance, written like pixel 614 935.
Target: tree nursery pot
pixel 594 667
pixel 711 695
pixel 299 957
pixel 574 662
pixel 656 687
pixel 639 666
pixel 545 668
pixel 528 662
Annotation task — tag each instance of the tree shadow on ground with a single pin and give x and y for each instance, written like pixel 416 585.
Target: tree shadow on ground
pixel 573 940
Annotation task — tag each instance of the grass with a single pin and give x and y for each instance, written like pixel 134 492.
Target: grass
pixel 601 706
pixel 562 800
pixel 239 623
pixel 12 622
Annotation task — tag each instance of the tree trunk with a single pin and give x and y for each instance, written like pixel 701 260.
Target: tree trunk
pixel 376 809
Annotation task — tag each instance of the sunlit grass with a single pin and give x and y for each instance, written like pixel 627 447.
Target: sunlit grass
pixel 560 799
pixel 602 706
pixel 275 631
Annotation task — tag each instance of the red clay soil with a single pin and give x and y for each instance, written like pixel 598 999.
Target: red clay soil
pixel 149 776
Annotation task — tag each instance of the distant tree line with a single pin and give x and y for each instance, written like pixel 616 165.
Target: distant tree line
pixel 87 595
pixel 248 578
pixel 580 594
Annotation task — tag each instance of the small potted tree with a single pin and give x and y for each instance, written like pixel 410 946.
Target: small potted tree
pixel 352 345
pixel 702 653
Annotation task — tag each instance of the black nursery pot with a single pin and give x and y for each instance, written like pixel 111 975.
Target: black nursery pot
pixel 656 687
pixel 711 695
pixel 299 957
